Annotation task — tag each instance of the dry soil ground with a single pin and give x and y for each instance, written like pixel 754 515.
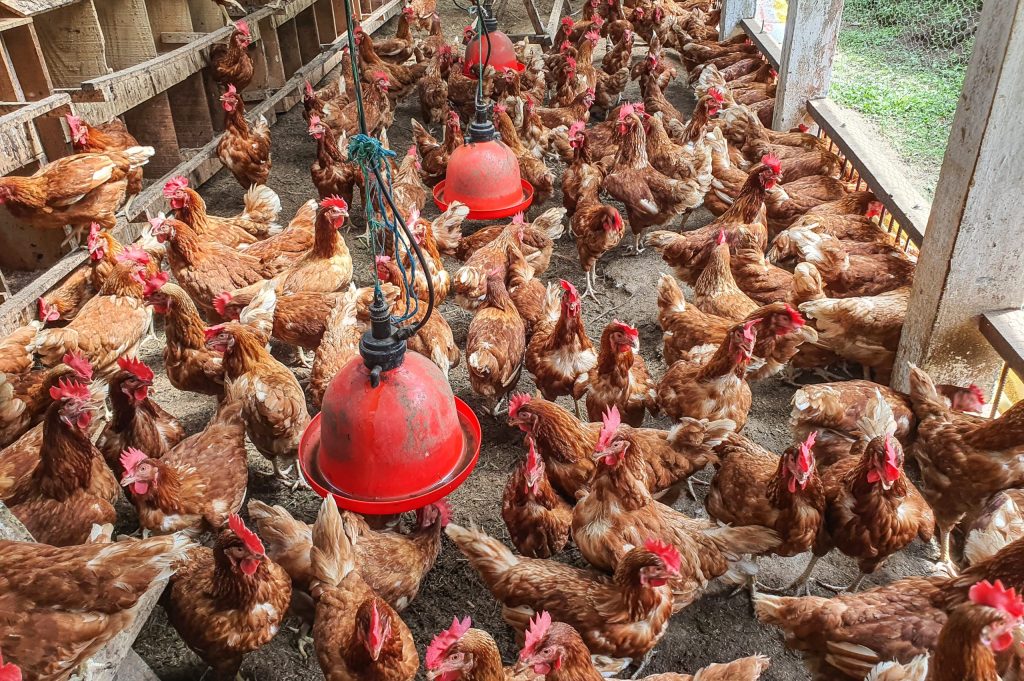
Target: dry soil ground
pixel 717 628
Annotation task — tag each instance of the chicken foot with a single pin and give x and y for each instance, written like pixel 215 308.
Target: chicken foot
pixel 591 286
pixel 852 588
pixel 802 583
pixel 643 663
pixel 638 246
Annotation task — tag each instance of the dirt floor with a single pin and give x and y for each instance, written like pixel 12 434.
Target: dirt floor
pixel 717 628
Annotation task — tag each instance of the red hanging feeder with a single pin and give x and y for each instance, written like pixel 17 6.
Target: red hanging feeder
pixel 501 52
pixel 390 436
pixel 484 174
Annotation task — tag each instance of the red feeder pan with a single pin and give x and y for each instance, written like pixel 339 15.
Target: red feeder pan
pixel 392 448
pixel 503 53
pixel 484 176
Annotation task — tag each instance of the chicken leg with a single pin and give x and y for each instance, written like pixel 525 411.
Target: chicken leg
pixel 591 285
pixel 801 584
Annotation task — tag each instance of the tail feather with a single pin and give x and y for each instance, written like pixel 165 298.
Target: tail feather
pixel 259 313
pixel 138 156
pixel 447 227
pixel 736 541
pixel 670 296
pixel 262 204
pixel 488 556
pixel 288 541
pixel 332 557
pixel 744 669
pixel 551 221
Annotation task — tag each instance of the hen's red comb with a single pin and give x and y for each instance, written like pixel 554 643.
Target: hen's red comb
pixel 625 328
pixel 720 237
pixel 136 367
pixel 334 202
pixel 976 391
pixel 444 640
pixel 248 537
pixel 220 303
pixel 995 595
pixel 795 318
pixel 539 626
pixel 516 402
pixel 174 185
pixel 610 422
pixel 668 554
pixel 131 458
pixel 716 95
pixel 570 290
pixel 78 363
pixel 773 162
pixel 232 90
pixel 309 89
pixel 243 27
pixel 807 451
pixel 69 390
pixel 532 458
pixel 133 254
pixel 212 331
pixel 155 283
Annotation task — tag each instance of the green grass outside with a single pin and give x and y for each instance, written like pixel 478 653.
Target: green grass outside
pixel 896 66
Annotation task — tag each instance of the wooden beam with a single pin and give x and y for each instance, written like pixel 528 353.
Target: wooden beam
pixel 764 42
pixel 1004 330
pixel 970 262
pixel 206 16
pixel 18 146
pixel 733 12
pixel 884 175
pixel 805 71
pixel 309 40
pixel 531 11
pixel 325 24
pixel 180 37
pixel 152 124
pixel 7 24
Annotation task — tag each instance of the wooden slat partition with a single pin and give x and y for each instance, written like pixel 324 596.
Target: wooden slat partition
pixel 764 42
pixel 875 165
pixel 198 168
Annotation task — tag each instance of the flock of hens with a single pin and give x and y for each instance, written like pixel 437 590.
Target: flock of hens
pixel 794 274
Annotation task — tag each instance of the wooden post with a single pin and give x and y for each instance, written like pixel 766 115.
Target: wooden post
pixel 206 16
pixel 733 12
pixel 272 52
pixel 168 16
pixel 812 30
pixel 339 16
pixel 970 260
pixel 191 112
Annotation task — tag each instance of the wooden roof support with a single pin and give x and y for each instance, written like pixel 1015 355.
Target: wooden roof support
pixel 805 72
pixel 733 12
pixel 970 262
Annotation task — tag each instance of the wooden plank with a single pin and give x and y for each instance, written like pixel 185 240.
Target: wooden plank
pixel 885 175
pixel 206 16
pixel 289 10
pixel 193 121
pixel 1004 330
pixel 970 262
pixel 554 18
pixel 309 40
pixel 169 17
pixel 29 63
pixel 7 24
pixel 152 123
pixel 113 94
pixel 28 8
pixel 198 168
pixel 18 144
pixel 764 42
pixel 10 88
pixel 168 38
pixel 805 71
pixel 291 54
pixel 531 11
pixel 325 26
pixel 127 35
pixel 73 44
pixel 732 16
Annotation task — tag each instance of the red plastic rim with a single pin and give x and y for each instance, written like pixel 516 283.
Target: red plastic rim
pixel 492 214
pixel 310 447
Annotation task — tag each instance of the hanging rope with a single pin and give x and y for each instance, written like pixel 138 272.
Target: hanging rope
pixel 382 216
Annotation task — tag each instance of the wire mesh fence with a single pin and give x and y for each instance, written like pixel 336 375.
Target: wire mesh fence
pixel 901 63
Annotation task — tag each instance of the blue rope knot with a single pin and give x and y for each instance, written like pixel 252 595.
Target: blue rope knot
pixel 368 151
